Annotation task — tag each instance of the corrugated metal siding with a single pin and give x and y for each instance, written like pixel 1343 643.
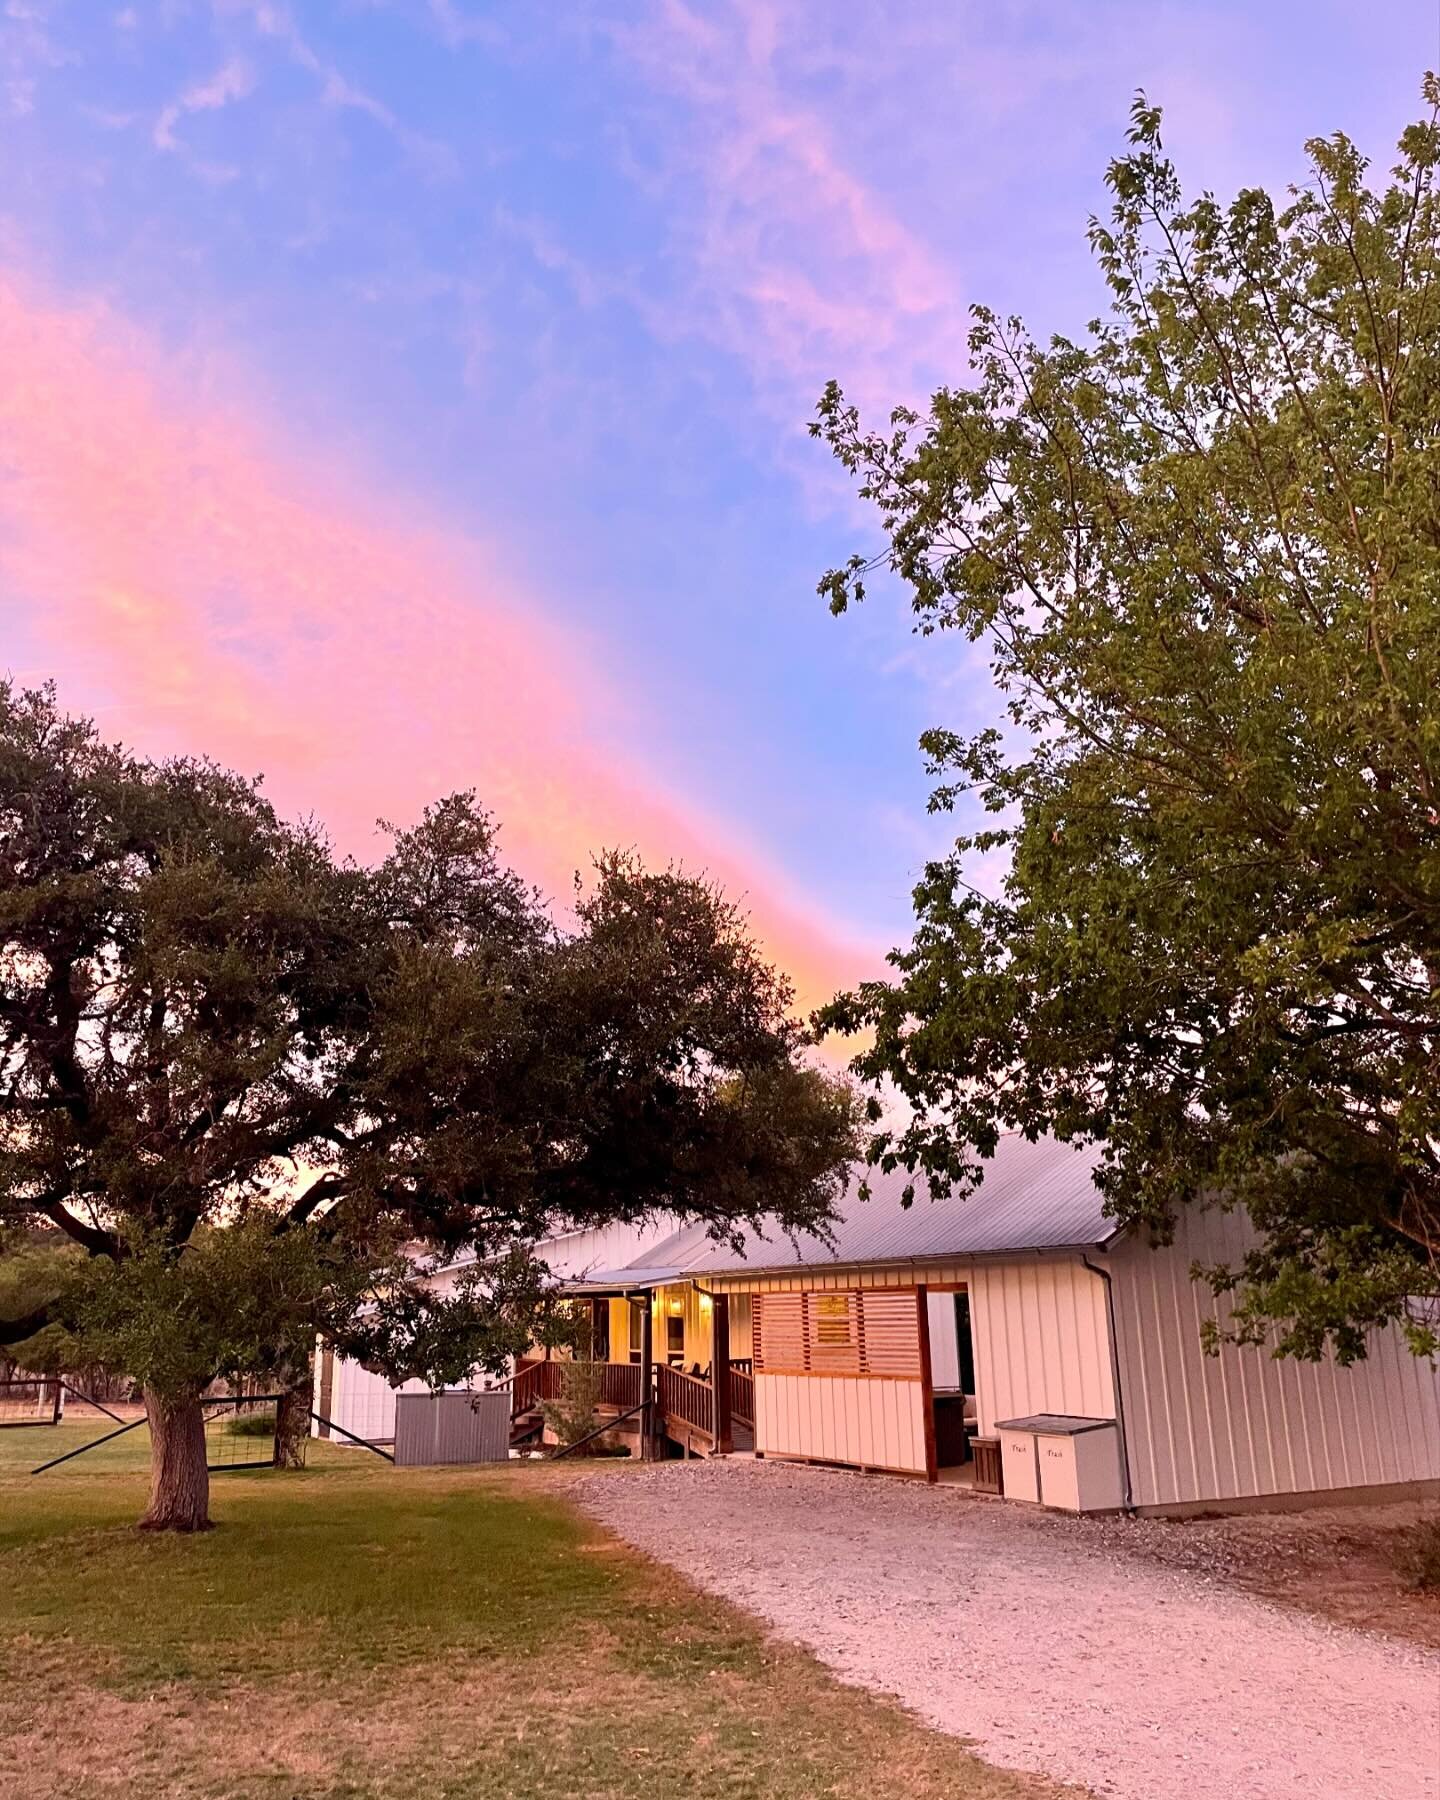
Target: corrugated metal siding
pixel 1243 1424
pixel 871 1422
pixel 451 1428
pixel 1041 1341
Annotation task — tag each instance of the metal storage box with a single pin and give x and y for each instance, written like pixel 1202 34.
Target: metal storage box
pixel 452 1428
pixel 1069 1463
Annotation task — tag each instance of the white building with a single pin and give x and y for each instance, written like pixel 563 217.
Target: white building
pixel 1016 1336
pixel 360 1401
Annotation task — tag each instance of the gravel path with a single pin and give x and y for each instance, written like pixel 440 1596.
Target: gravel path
pixel 1038 1639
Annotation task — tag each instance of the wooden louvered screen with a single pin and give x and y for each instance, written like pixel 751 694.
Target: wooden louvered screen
pixel 875 1331
pixel 832 1334
pixel 890 1332
pixel 778 1325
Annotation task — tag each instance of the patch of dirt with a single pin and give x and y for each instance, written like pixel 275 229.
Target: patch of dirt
pixel 1338 1563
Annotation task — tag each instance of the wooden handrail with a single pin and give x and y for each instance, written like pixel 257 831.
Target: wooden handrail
pixel 681 1396
pixel 742 1396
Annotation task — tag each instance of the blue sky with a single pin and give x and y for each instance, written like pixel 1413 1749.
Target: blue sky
pixel 340 335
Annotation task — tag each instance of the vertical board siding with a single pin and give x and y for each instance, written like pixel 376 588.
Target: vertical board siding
pixel 742 1341
pixel 364 1402
pixel 1243 1423
pixel 1041 1341
pixel 874 1423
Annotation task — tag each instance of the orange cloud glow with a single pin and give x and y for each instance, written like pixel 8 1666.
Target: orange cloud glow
pixel 176 554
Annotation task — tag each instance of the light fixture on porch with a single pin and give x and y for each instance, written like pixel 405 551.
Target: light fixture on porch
pixel 705 1303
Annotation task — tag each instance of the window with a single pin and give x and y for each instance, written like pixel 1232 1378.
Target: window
pixel 832 1319
pixel 637 1329
pixel 832 1339
pixel 674 1338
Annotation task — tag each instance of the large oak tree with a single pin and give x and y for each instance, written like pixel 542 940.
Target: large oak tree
pixel 1202 543
pixel 256 1084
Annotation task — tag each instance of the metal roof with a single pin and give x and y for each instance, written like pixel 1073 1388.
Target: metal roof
pixel 1033 1196
pixel 629 1280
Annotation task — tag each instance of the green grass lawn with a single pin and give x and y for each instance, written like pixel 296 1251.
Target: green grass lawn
pixel 369 1633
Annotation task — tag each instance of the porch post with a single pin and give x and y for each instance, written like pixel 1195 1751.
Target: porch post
pixel 927 1383
pixel 647 1378
pixel 720 1371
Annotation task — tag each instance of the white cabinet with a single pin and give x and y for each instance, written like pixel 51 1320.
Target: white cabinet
pixel 1069 1463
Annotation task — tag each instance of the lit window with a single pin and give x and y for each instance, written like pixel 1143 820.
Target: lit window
pixel 832 1319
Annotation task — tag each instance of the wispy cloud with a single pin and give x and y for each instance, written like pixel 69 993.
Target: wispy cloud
pixel 234 80
pixel 231 593
pixel 797 265
pixel 427 155
pixel 459 25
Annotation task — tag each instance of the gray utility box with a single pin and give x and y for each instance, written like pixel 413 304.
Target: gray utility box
pixel 1061 1461
pixel 451 1428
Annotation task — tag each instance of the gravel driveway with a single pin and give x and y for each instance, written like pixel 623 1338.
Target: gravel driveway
pixel 1051 1652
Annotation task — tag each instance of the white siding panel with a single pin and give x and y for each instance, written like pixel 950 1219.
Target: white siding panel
pixel 870 1422
pixel 1041 1341
pixel 1243 1423
pixel 364 1403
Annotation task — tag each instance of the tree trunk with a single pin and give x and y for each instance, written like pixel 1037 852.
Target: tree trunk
pixel 292 1419
pixel 179 1480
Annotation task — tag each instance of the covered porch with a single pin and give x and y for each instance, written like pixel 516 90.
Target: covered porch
pixel 671 1367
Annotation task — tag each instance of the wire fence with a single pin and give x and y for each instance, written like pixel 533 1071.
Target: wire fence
pixel 30 1400
pixel 240 1432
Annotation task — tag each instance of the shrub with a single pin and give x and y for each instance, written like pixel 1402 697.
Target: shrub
pixel 1418 1556
pixel 252 1424
pixel 572 1416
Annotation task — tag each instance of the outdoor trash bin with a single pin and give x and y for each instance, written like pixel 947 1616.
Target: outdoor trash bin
pixel 1059 1460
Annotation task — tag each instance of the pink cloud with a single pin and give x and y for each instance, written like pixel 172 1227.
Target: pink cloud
pixel 799 266
pixel 223 589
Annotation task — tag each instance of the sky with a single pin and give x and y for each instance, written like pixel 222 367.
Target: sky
pixel 399 396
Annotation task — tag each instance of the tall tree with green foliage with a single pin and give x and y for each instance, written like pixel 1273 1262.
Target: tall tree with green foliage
pixel 1202 543
pixel 252 1082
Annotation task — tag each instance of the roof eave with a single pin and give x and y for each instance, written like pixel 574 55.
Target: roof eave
pixel 939 1259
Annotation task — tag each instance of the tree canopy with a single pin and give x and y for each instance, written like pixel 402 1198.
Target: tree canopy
pixel 1202 543
pixel 256 1084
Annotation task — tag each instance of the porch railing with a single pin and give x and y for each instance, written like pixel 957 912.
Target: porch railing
pixel 621 1384
pixel 683 1398
pixel 686 1398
